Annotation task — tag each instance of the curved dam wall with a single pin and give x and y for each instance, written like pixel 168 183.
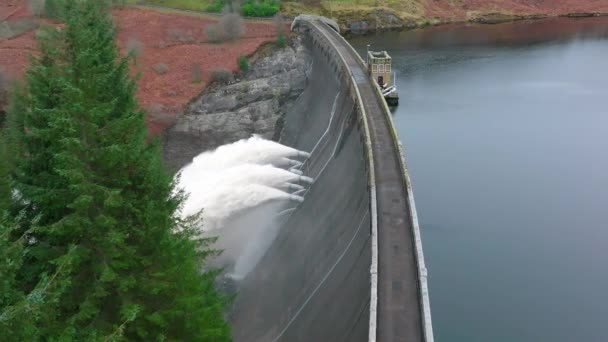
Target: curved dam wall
pixel 344 266
pixel 313 282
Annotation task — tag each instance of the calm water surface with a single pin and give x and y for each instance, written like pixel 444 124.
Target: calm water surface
pixel 505 129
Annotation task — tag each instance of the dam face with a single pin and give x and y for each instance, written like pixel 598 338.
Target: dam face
pixel 313 283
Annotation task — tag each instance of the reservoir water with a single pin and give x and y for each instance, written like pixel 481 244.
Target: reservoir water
pixel 505 129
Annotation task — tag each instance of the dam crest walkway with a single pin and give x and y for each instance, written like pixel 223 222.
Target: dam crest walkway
pixel 399 301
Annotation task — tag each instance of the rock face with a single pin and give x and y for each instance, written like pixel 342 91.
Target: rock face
pixel 376 20
pixel 255 104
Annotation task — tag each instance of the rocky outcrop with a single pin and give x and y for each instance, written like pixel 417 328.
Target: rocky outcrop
pixel 253 104
pixel 376 20
pixel 498 18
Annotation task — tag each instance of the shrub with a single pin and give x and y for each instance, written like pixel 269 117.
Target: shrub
pixel 280 27
pixel 214 33
pixel 155 109
pixel 159 114
pixel 135 48
pixel 279 23
pixel 233 26
pixel 196 73
pixel 243 63
pixel 36 7
pixel 216 6
pixel 161 68
pixel 281 41
pixel 221 76
pixel 263 8
pixel 177 35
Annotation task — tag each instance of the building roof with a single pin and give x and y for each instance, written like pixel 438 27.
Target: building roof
pixel 378 54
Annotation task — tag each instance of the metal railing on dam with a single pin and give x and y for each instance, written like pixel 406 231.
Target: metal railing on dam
pixel 347 264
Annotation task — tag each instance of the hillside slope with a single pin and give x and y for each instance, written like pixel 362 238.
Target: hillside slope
pixel 473 9
pixel 169 39
pixel 363 15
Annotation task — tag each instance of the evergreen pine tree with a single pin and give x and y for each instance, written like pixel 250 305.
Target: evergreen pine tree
pixel 54 9
pixel 104 255
pixel 5 188
pixel 14 323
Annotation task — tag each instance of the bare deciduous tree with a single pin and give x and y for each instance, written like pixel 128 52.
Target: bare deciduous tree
pixel 196 73
pixel 214 33
pixel 36 7
pixel 233 26
pixel 160 114
pixel 135 47
pixel 279 24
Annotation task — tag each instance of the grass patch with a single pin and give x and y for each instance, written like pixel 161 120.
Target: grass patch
pixel 249 8
pixel 216 6
pixel 257 8
pixel 194 5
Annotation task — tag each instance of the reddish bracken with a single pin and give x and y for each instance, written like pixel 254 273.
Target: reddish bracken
pixel 463 9
pixel 172 90
pixel 175 88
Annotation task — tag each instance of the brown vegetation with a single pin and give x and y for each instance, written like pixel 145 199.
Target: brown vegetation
pixel 171 90
pixel 471 9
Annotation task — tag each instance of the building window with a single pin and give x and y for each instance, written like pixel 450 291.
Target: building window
pixel 374 67
pixel 387 68
pixel 380 67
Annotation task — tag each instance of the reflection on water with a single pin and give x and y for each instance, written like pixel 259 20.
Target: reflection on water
pixel 506 131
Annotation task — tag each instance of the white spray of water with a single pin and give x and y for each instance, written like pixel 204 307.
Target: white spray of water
pixel 240 176
pixel 221 202
pixel 240 188
pixel 254 150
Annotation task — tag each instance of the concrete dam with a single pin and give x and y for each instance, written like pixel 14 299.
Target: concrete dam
pixel 318 232
pixel 347 263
